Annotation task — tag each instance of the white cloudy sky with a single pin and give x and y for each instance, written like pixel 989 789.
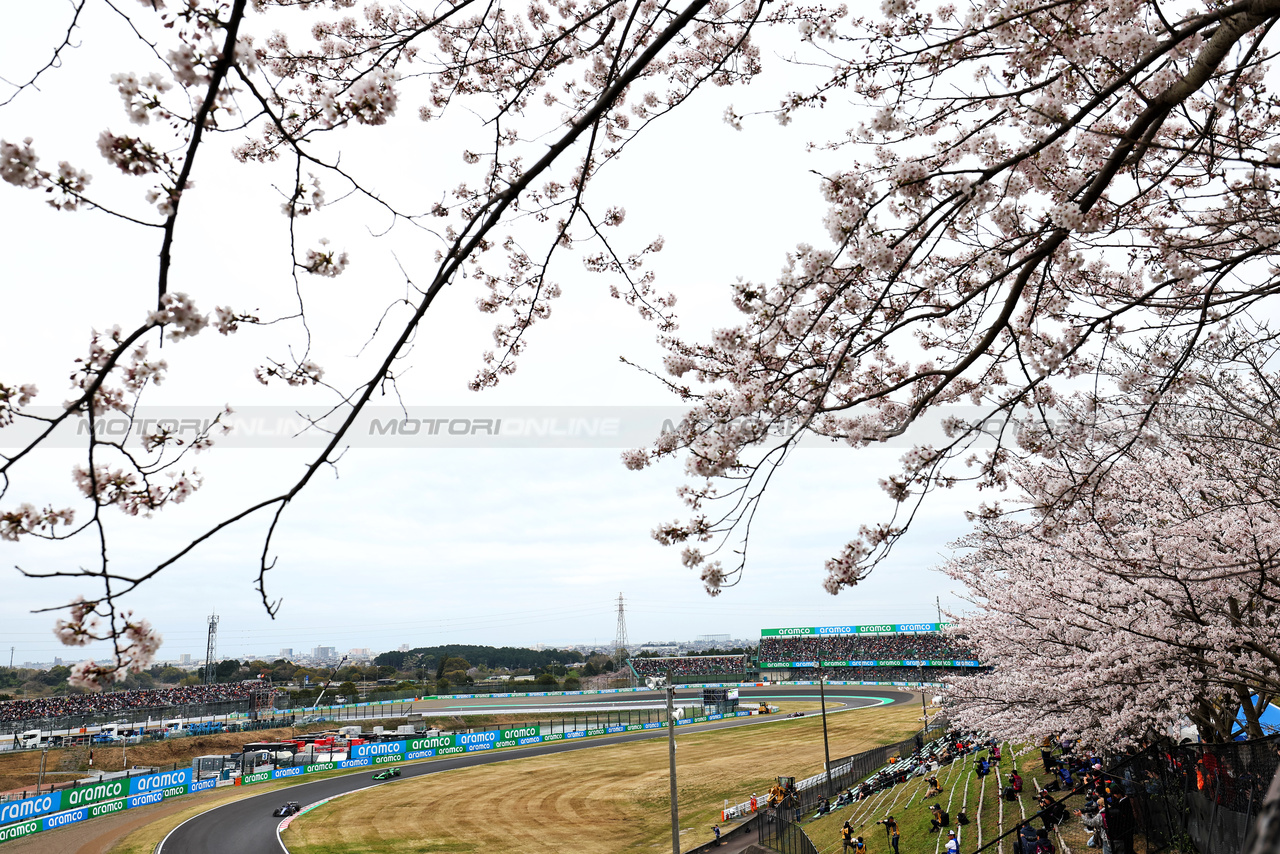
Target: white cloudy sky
pixel 425 546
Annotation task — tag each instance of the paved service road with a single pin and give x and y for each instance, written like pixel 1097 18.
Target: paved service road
pixel 247 826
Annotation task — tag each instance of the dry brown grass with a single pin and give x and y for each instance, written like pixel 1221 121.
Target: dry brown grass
pixel 597 801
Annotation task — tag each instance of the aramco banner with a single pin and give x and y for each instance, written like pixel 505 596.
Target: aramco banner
pixel 70 806
pixel 828 631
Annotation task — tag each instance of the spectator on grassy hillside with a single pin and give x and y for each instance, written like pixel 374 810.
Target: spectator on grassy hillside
pixel 1092 819
pixel 953 844
pixel 1025 843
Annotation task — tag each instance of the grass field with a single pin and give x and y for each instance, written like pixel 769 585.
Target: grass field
pixel 598 801
pixel 962 791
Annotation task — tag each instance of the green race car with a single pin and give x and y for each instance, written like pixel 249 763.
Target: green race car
pixel 387 773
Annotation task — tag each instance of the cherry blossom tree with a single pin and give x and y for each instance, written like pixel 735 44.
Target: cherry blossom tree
pixel 1028 188
pixel 561 88
pixel 1033 186
pixel 1154 596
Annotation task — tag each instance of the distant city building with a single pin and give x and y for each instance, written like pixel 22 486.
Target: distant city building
pixel 404 647
pixel 324 653
pixel 184 659
pixel 359 652
pixel 286 652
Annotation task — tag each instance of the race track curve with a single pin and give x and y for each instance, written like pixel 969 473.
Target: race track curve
pixel 247 826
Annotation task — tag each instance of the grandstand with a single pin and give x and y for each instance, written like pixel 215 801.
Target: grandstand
pixel 886 652
pixel 898 652
pixel 694 668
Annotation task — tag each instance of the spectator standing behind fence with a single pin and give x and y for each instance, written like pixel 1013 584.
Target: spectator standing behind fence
pixel 1120 825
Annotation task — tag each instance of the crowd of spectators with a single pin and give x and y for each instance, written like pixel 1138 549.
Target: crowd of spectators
pixel 122 701
pixel 876 674
pixel 864 648
pixel 692 665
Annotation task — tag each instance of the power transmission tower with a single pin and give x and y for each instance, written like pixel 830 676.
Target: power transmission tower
pixel 210 665
pixel 620 641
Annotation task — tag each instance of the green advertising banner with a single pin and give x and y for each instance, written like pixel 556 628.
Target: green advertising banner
pixel 837 631
pixel 17 831
pixel 109 791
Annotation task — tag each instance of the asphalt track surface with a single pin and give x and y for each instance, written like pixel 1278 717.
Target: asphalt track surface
pixel 248 827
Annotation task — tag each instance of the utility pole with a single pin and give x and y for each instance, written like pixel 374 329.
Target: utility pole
pixel 11 657
pixel 620 641
pixel 671 759
pixel 211 652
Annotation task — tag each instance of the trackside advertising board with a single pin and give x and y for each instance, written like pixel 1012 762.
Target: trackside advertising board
pixel 71 806
pixel 874 629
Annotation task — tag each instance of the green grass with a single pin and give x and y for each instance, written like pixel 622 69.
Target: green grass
pixel 989 815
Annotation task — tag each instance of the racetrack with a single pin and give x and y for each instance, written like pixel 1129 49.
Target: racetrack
pixel 247 826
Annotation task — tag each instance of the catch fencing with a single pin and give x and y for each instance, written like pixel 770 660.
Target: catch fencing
pixel 1190 797
pixel 849 772
pixel 785 837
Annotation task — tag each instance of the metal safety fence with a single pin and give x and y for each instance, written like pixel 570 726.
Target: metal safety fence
pixel 1187 798
pixel 849 771
pixel 778 834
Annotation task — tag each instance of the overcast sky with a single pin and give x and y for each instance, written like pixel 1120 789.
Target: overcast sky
pixel 426 545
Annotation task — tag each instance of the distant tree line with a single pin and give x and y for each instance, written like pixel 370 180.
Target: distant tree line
pixel 491 657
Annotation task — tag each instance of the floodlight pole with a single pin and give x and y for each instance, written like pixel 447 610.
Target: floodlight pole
pixel 826 745
pixel 671 759
pixel 923 708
